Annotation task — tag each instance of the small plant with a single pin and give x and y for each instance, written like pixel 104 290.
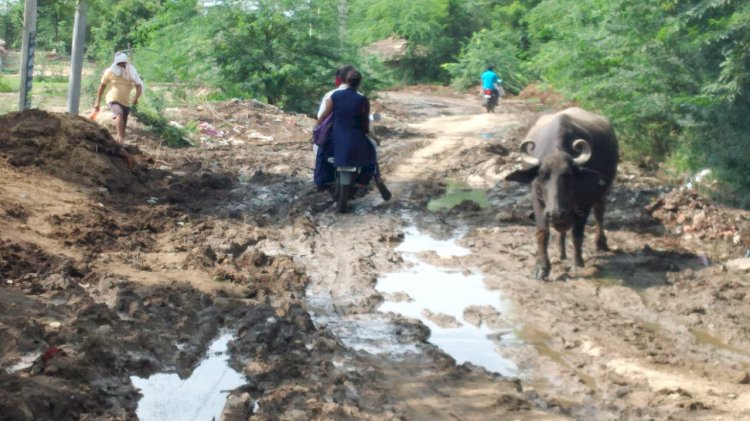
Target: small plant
pixel 5 86
pixel 150 113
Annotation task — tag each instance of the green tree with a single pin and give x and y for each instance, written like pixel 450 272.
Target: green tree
pixel 434 31
pixel 117 25
pixel 502 42
pixel 277 51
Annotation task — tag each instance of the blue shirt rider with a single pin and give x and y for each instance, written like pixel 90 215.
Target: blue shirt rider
pixel 490 80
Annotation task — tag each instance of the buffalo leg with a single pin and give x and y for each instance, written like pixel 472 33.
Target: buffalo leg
pixel 542 259
pixel 563 255
pixel 578 228
pixel 601 239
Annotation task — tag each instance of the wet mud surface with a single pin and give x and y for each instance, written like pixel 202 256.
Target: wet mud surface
pixel 119 263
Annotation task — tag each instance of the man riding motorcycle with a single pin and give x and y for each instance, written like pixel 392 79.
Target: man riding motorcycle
pixel 490 82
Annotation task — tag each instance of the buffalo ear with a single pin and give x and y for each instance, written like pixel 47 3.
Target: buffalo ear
pixel 525 176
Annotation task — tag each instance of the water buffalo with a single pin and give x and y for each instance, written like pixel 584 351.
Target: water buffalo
pixel 571 159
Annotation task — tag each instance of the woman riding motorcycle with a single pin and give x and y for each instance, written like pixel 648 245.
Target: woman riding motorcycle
pixel 351 124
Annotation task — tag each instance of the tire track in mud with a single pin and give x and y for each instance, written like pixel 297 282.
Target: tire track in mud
pixel 352 251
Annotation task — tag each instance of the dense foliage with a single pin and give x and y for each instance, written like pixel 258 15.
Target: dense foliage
pixel 673 76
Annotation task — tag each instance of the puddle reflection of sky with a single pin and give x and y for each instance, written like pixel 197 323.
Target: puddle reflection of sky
pixel 449 292
pixel 200 397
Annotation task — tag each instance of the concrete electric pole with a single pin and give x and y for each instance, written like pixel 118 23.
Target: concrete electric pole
pixel 27 54
pixel 76 58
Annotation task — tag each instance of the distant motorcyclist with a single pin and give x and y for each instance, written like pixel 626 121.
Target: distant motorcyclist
pixel 490 80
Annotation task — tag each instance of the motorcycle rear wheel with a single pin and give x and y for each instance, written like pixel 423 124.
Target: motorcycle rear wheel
pixel 345 192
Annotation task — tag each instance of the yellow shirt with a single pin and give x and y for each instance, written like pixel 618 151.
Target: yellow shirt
pixel 119 88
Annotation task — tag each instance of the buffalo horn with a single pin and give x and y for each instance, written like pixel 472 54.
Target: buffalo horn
pixel 526 147
pixel 585 148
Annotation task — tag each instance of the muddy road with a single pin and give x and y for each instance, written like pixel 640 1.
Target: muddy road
pixel 216 281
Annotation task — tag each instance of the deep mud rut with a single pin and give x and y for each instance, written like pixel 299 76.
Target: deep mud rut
pixel 110 272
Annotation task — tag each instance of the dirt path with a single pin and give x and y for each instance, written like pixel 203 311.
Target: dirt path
pixel 627 338
pixel 640 333
pixel 109 272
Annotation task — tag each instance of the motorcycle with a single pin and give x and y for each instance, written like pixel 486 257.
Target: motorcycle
pixel 489 99
pixel 344 186
pixel 347 178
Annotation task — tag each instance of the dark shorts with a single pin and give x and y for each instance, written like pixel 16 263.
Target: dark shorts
pixel 118 109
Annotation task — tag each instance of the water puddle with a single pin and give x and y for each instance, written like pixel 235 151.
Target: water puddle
pixel 455 194
pixel 448 294
pixel 24 362
pixel 416 242
pixel 703 337
pixel 200 397
pixel 372 333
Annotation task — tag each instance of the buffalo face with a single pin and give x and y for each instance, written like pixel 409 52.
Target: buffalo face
pixel 555 178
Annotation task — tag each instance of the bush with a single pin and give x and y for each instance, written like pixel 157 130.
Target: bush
pixel 149 112
pixel 5 86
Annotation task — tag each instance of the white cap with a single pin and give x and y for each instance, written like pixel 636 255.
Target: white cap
pixel 121 58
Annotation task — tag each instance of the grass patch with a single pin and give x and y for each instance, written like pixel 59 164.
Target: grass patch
pixel 149 112
pixel 9 84
pixel 455 194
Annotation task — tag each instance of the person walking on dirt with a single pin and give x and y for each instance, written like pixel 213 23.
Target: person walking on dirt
pixel 3 53
pixel 122 78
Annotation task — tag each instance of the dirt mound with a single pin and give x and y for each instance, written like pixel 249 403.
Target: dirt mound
pixel 71 148
pixel 684 212
pixel 545 96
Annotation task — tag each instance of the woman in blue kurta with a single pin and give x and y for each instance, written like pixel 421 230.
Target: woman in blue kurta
pixel 351 123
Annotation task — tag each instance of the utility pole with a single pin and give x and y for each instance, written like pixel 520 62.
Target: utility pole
pixel 27 54
pixel 343 18
pixel 76 58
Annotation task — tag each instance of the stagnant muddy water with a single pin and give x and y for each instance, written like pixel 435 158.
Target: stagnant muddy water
pixel 441 299
pixel 199 397
pixel 215 281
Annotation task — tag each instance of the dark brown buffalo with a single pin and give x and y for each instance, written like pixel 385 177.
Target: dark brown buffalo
pixel 571 159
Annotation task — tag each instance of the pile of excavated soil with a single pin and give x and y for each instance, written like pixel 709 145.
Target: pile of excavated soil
pixel 545 96
pixel 697 220
pixel 71 148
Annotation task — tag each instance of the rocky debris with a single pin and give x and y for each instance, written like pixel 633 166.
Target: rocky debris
pixel 684 212
pixel 483 315
pixel 239 407
pixel 741 265
pixel 445 321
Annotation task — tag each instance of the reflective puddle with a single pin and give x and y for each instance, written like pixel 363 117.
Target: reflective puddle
pixel 200 397
pixel 24 362
pixel 705 338
pixel 372 333
pixel 442 299
pixel 455 194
